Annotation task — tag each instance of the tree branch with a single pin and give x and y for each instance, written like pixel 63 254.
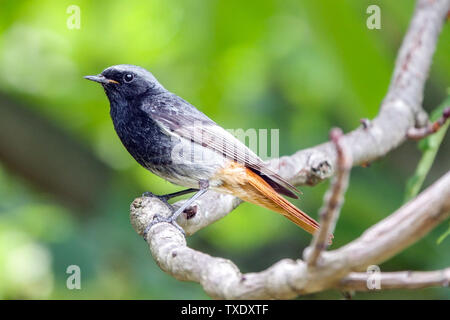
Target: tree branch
pixel 334 198
pixel 287 278
pixel 420 133
pixel 402 228
pixel 400 111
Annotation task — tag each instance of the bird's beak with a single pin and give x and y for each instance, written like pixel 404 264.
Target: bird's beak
pixel 100 79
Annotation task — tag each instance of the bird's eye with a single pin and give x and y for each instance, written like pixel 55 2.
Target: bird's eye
pixel 128 77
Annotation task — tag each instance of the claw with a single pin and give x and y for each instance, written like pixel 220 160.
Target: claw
pixel 148 194
pixel 172 219
pixel 159 219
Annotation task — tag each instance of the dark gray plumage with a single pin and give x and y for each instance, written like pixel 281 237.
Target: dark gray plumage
pixel 171 138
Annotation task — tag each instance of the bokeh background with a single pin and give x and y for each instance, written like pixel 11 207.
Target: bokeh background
pixel 66 182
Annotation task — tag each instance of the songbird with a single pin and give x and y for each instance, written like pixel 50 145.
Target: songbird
pixel 174 140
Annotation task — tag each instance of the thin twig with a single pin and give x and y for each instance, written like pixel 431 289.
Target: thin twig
pixel 420 133
pixel 334 198
pixel 358 281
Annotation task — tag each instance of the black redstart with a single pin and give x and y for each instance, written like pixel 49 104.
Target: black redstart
pixel 177 142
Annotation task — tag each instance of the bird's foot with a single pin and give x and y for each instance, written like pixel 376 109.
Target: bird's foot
pixel 175 214
pixel 159 219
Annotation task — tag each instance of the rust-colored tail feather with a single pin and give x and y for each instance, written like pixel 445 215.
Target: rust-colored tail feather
pixel 272 200
pixel 249 186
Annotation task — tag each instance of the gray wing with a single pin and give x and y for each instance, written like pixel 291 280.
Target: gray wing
pixel 174 115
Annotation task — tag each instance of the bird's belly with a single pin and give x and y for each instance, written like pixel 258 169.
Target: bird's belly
pixel 186 176
pixel 190 165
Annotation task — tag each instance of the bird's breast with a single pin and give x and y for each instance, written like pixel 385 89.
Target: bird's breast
pixel 143 138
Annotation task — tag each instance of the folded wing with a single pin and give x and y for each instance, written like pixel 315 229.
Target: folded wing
pixel 198 128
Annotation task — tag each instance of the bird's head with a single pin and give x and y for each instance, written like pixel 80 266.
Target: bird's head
pixel 126 81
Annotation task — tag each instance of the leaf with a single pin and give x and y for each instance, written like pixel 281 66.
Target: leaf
pixel 429 147
pixel 444 235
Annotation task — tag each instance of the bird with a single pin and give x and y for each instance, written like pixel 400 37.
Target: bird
pixel 174 140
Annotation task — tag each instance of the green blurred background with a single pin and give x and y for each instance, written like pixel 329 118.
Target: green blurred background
pixel 66 182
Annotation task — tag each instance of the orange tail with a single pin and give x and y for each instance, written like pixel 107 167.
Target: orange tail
pixel 249 186
pixel 270 199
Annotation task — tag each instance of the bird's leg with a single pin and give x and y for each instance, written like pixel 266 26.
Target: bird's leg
pixel 166 197
pixel 169 196
pixel 203 184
